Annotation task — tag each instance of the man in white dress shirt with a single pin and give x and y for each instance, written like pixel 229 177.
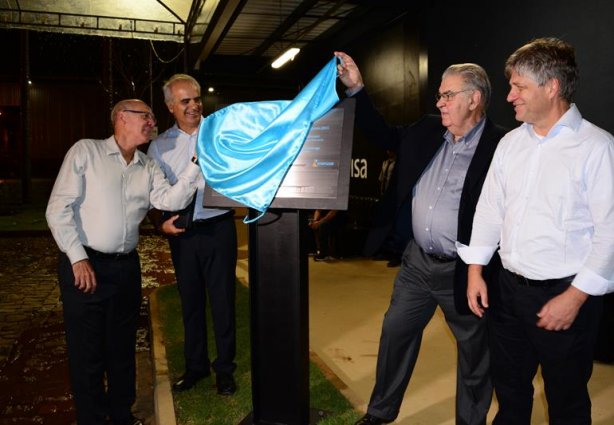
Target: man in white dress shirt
pixel 102 193
pixel 548 205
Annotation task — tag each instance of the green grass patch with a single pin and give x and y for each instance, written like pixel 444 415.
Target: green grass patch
pixel 202 405
pixel 15 217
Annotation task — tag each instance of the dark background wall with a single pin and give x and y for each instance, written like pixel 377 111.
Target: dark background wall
pixel 403 62
pixel 393 65
pixel 454 32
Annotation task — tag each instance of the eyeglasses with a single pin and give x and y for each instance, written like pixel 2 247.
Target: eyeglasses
pixel 147 116
pixel 449 95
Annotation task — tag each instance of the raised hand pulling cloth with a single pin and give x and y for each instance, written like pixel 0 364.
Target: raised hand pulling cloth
pixel 246 149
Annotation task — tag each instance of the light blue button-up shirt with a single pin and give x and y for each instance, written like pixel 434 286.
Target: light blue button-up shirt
pixel 436 196
pixel 173 151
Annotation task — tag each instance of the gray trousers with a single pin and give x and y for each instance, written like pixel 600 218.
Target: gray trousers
pixel 420 286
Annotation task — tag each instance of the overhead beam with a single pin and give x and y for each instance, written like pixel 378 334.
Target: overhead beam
pixel 363 20
pixel 84 24
pixel 195 10
pixel 224 16
pixel 171 11
pixel 276 35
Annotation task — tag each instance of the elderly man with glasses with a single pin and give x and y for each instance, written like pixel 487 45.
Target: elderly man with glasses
pixel 441 164
pixel 102 193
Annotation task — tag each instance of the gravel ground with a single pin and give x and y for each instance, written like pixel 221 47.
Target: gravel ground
pixel 34 387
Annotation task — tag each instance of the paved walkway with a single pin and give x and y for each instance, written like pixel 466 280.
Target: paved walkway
pixel 34 386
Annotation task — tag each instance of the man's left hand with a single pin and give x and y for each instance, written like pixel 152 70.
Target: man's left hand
pixel 560 312
pixel 168 227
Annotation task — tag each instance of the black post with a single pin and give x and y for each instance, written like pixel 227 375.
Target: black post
pixel 279 301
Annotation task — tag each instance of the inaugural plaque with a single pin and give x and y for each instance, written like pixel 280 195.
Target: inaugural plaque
pixel 319 177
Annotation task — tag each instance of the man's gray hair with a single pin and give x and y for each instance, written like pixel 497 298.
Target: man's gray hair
pixel 475 78
pixel 166 88
pixel 545 59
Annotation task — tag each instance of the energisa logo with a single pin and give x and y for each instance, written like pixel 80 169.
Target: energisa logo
pixel 359 168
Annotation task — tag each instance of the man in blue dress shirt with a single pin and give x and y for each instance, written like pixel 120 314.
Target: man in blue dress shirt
pixel 204 253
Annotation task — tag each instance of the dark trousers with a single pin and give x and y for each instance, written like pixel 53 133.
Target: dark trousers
pixel 518 346
pixel 421 285
pixel 101 338
pixel 205 258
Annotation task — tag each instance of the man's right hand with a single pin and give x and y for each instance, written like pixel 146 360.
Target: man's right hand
pixel 348 72
pixel 85 278
pixel 168 227
pixel 477 292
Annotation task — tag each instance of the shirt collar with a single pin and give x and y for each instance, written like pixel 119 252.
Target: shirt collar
pixel 111 146
pixel 174 131
pixel 112 149
pixel 468 137
pixel 139 157
pixel 571 119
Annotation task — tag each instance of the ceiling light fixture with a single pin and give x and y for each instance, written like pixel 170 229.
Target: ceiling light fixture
pixel 288 55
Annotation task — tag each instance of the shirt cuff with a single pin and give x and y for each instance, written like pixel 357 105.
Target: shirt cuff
pixel 591 283
pixel 76 254
pixel 474 254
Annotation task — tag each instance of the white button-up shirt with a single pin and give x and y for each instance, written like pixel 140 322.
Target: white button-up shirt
pixel 548 202
pixel 99 200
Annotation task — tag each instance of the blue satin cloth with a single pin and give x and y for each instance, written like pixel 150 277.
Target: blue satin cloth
pixel 246 149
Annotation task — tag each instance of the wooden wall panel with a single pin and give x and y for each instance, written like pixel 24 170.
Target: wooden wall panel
pixel 60 114
pixel 9 94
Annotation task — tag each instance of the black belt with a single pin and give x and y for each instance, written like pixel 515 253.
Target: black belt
pixel 215 219
pixel 441 258
pixel 533 282
pixel 109 255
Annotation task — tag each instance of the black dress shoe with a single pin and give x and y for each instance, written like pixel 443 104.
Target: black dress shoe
pixel 370 420
pixel 225 385
pixel 188 380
